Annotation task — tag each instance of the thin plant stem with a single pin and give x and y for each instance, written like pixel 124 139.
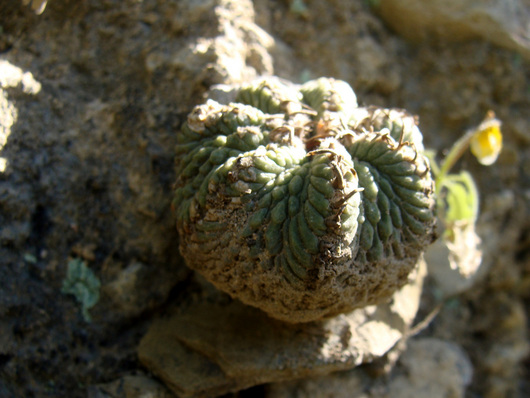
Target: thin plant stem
pixel 456 153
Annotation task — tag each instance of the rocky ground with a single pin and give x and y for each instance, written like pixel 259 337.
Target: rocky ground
pixel 92 94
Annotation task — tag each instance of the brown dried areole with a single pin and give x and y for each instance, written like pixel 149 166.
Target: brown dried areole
pixel 298 202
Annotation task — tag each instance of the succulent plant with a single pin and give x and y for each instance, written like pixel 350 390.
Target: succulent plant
pixel 295 200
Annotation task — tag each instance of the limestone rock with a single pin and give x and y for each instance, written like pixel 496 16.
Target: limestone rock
pixel 215 345
pixel 429 368
pixel 38 6
pixel 503 22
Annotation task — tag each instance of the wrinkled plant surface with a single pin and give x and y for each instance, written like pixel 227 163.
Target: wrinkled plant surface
pixel 298 202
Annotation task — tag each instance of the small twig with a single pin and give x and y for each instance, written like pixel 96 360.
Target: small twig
pixel 425 322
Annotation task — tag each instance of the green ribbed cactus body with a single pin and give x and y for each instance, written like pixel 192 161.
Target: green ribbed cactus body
pixel 296 201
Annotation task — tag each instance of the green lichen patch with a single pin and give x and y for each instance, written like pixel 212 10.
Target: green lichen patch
pixel 83 284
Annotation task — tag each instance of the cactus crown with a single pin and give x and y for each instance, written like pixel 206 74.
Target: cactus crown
pixel 299 202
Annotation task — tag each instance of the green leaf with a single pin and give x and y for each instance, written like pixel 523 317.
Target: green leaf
pixel 459 198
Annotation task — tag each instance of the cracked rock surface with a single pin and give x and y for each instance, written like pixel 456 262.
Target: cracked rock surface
pixel 214 345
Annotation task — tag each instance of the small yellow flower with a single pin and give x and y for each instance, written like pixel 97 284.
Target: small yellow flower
pixel 486 143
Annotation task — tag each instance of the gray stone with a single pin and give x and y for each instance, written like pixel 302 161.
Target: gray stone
pixel 432 368
pixel 130 386
pixel 137 288
pixel 455 265
pixel 349 384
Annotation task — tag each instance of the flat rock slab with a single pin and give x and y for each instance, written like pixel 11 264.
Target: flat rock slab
pixel 216 345
pixel 428 368
pixel 503 22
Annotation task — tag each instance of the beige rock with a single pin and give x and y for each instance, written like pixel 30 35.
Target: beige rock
pixel 429 368
pixel 215 345
pixel 186 372
pixel 503 22
pixel 238 50
pixel 37 6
